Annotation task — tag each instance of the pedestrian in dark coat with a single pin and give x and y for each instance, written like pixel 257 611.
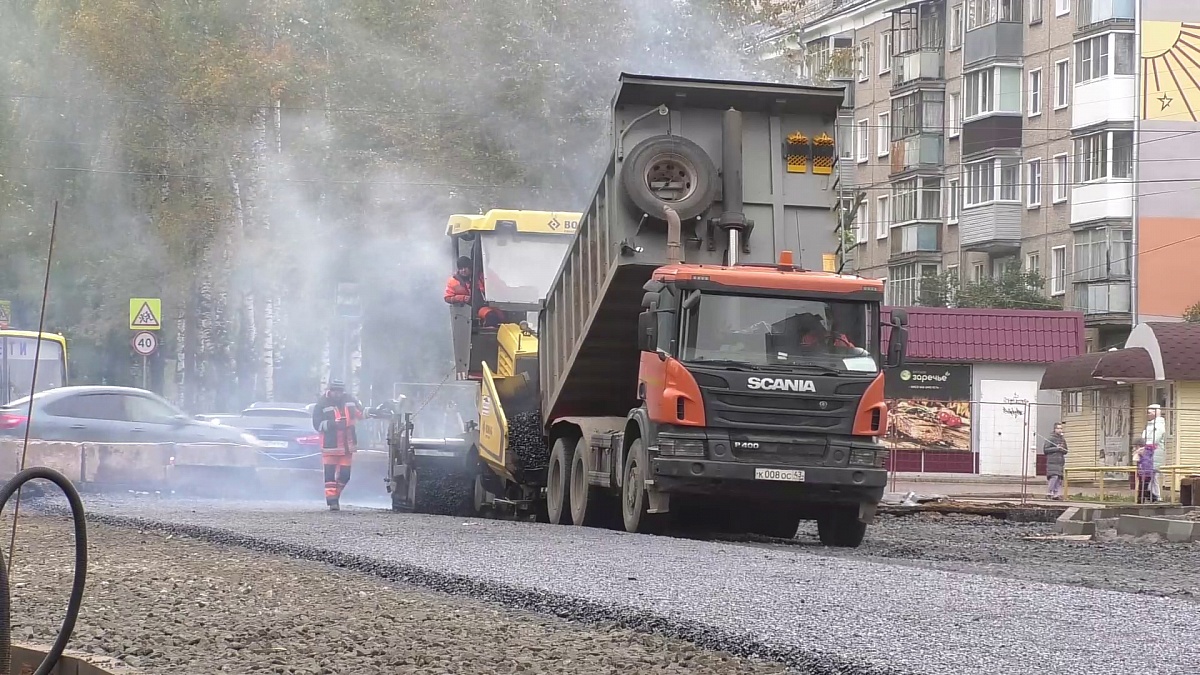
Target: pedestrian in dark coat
pixel 1055 450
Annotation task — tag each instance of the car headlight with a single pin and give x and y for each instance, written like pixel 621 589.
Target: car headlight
pixel 680 447
pixel 868 457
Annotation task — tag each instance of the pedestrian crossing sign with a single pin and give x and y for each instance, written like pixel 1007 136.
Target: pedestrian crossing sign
pixel 145 313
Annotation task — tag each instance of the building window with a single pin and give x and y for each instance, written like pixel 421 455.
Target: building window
pixel 862 224
pixel 1072 402
pixel 863 138
pixel 883 217
pixel 984 12
pixel 1033 171
pixel 952 272
pixel 1092 153
pixel 845 138
pixel 1035 92
pixel 1033 262
pixel 904 282
pixel 992 90
pixel 885 52
pixel 920 111
pixel 1061 178
pixel 1036 9
pixel 1062 84
pixel 883 133
pixel 996 179
pixel 1091 59
pixel 1062 7
pixel 1123 54
pixel 952 115
pixel 864 60
pixel 976 272
pixel 917 199
pixel 956 27
pixel 1058 270
pixel 953 201
pixel 1103 253
pixel 1004 266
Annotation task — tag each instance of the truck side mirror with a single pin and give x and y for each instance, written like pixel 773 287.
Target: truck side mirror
pixel 899 317
pixel 648 331
pixel 897 346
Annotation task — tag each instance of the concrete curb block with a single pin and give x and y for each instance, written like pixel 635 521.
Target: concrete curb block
pixel 1089 519
pixel 1179 531
pixel 26 659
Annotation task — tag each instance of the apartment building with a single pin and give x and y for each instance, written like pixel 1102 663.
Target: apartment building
pixel 979 135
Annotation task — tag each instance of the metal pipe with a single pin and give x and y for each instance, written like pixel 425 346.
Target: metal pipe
pixel 731 182
pixel 674 236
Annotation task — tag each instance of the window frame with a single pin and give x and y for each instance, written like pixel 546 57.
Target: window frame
pixel 1062 178
pixel 1062 7
pixel 988 100
pixel 862 145
pixel 1033 262
pixel 1058 286
pixel 1033 186
pixel 1095 55
pixel 956 27
pixel 1036 17
pixel 883 134
pixel 953 200
pixel 954 111
pixel 1062 84
pixel 885 55
pixel 883 224
pixel 1035 92
pixel 977 271
pixel 920 192
pixel 864 60
pixel 996 168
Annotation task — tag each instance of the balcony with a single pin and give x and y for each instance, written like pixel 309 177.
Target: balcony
pixel 1103 298
pixel 993 228
pixel 919 65
pixel 1003 40
pixel 915 238
pixel 1111 199
pixel 1095 13
pixel 1108 99
pixel 914 152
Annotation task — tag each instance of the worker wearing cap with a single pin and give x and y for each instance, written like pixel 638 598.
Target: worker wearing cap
pixel 814 333
pixel 1155 434
pixel 334 416
pixel 463 285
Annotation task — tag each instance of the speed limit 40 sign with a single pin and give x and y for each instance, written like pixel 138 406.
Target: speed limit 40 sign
pixel 145 343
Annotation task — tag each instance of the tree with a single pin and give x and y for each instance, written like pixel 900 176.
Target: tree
pixel 1192 313
pixel 1013 289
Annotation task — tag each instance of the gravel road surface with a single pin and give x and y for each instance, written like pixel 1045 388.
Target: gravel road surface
pixel 816 611
pixel 168 604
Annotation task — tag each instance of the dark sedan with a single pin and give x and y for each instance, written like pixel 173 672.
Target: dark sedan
pixel 111 415
pixel 285 432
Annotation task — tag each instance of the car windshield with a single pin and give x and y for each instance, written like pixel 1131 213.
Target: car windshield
pixel 755 331
pixel 518 267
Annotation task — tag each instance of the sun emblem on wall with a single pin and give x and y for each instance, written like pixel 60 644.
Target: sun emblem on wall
pixel 1170 71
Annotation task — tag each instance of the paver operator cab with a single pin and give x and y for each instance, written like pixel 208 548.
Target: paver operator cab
pixel 686 363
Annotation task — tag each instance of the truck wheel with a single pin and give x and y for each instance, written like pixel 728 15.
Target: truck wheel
pixel 669 171
pixel 585 506
pixel 841 527
pixel 634 500
pixel 558 476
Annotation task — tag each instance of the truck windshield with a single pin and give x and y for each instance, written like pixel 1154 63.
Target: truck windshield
pixel 16 366
pixel 519 268
pixel 755 331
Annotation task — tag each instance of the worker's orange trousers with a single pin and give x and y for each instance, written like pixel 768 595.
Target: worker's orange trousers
pixel 337 473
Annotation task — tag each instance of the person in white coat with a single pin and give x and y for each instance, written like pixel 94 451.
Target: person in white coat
pixel 1155 434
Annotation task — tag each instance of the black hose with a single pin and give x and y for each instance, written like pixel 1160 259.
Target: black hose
pixel 77 584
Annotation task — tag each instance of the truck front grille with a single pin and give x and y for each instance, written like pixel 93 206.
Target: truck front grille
pixel 778 412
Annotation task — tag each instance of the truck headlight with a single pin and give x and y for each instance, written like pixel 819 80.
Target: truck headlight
pixel 680 447
pixel 868 457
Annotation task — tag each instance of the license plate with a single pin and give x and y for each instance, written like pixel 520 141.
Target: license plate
pixel 275 444
pixel 791 475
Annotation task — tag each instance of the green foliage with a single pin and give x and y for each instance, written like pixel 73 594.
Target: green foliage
pixel 1192 313
pixel 1014 289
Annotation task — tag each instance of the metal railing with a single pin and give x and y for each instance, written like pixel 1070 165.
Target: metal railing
pixel 1169 475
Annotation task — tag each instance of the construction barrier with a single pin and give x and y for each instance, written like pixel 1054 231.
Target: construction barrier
pixel 200 469
pixel 1123 487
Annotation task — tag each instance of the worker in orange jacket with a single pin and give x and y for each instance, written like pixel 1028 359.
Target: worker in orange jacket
pixel 462 285
pixel 335 415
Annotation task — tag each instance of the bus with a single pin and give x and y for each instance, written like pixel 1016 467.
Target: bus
pixel 17 351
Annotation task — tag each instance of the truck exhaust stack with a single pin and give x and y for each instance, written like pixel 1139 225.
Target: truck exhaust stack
pixel 674 236
pixel 733 221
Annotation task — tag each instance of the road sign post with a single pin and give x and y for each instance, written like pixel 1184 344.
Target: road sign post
pixel 145 315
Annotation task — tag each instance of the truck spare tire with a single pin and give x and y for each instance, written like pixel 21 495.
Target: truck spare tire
pixel 669 171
